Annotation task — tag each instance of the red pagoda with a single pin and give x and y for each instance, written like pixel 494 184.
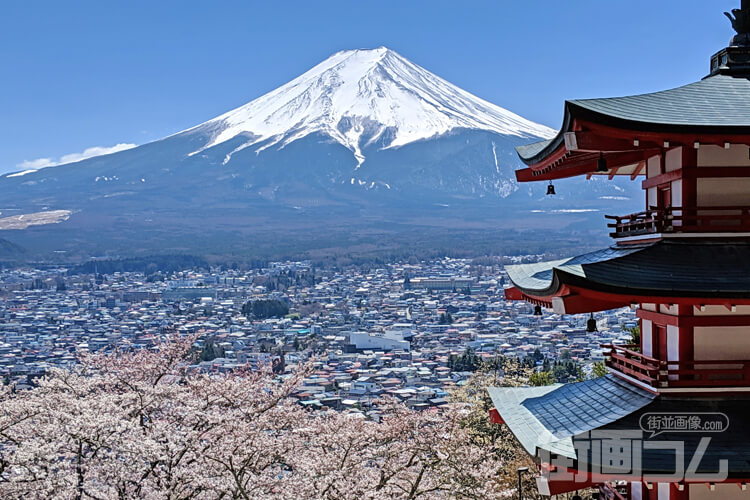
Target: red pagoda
pixel 671 419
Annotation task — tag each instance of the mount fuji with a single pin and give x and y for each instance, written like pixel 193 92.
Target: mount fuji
pixel 359 98
pixel 365 139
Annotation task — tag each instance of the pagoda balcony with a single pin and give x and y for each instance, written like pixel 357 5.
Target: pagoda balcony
pixel 674 220
pixel 659 374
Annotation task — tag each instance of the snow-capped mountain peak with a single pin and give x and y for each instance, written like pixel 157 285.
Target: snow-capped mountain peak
pixel 439 161
pixel 357 97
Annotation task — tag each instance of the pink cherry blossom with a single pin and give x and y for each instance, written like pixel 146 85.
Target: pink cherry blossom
pixel 140 424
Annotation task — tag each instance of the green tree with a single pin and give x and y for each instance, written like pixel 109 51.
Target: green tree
pixel 446 318
pixel 211 351
pixel 468 361
pixel 496 437
pixel 539 379
pixel 635 336
pixel 599 369
pixel 263 309
pixel 567 370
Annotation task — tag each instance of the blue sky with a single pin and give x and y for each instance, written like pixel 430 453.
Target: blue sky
pixel 82 74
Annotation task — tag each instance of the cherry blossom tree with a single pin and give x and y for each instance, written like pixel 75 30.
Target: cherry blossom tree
pixel 141 424
pixel 493 437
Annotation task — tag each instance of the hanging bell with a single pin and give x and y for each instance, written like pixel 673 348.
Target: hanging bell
pixel 537 310
pixel 591 325
pixel 551 189
pixel 601 164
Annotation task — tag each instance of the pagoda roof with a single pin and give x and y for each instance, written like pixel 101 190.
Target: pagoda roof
pixel 666 268
pixel 548 417
pixel 556 418
pixel 529 151
pixel 717 105
pixel 719 101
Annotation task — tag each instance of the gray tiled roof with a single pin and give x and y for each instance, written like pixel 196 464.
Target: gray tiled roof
pixel 718 102
pixel 559 419
pixel 548 417
pixel 721 269
pixel 529 150
pixel 539 277
pixel 525 426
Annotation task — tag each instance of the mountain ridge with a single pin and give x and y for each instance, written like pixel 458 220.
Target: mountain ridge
pixel 365 137
pixel 352 89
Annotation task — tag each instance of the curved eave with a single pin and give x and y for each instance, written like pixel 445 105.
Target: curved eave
pixel 617 277
pixel 532 413
pixel 535 153
pixel 562 156
pixel 717 108
pixel 563 282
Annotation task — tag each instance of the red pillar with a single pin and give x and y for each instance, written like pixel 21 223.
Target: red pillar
pixel 689 178
pixel 687 342
pixel 676 494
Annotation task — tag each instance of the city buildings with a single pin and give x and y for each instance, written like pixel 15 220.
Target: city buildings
pixel 366 333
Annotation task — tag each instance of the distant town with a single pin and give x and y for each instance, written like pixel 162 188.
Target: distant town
pixel 411 329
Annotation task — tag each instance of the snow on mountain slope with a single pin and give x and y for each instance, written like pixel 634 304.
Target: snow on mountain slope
pixel 357 97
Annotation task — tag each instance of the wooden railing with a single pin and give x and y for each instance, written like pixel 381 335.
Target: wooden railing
pixel 681 220
pixel 722 373
pixel 623 359
pixel 677 374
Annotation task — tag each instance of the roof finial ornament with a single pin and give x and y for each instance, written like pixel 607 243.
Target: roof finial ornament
pixel 741 23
